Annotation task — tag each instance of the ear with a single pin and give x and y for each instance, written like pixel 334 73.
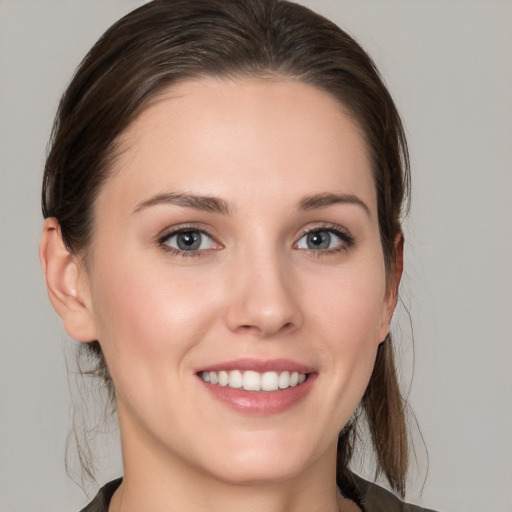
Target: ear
pixel 391 297
pixel 66 283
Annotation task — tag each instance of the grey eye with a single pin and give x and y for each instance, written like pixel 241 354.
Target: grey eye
pixel 319 240
pixel 190 240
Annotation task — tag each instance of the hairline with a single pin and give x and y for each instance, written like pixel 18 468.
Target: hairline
pixel 121 142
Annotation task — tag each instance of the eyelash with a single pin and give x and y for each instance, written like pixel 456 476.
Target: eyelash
pixel 344 236
pixel 176 231
pixel 346 239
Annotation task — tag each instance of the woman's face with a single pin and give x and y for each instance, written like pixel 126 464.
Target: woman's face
pixel 237 241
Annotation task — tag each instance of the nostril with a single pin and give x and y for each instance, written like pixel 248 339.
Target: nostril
pixel 265 330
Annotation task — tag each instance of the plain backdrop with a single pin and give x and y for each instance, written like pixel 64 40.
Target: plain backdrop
pixel 448 65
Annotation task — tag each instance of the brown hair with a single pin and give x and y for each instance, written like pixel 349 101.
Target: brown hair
pixel 167 41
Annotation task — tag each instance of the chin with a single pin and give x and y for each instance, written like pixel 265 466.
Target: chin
pixel 258 473
pixel 263 461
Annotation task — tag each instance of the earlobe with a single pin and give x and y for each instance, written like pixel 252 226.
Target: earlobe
pixel 393 284
pixel 62 271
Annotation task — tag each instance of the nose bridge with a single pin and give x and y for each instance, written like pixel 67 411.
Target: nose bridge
pixel 264 298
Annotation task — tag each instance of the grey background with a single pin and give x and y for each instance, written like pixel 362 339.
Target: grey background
pixel 448 64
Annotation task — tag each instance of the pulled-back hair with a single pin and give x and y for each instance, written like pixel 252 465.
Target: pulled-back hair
pixel 169 41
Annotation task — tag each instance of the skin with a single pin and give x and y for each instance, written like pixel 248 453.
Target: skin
pixel 255 289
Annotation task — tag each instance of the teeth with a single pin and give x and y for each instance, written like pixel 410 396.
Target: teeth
pixel 251 381
pixel 255 381
pixel 284 380
pixel 223 378
pixel 269 381
pixel 235 379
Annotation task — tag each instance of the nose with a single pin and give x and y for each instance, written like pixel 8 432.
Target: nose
pixel 265 297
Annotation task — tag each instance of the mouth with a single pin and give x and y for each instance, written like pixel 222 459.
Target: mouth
pixel 258 387
pixel 250 380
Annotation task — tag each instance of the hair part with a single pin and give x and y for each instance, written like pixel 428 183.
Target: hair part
pixel 169 41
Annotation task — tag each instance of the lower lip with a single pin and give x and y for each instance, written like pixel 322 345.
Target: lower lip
pixel 261 402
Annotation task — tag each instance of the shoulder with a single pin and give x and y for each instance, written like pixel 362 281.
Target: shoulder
pixel 374 498
pixel 102 500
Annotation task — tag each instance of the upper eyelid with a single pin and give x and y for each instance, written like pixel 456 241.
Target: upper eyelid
pixel 326 227
pixel 163 243
pixel 180 228
pixel 347 240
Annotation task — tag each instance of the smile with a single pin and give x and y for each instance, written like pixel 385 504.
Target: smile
pixel 254 381
pixel 258 387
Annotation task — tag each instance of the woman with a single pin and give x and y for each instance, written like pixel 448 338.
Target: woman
pixel 222 199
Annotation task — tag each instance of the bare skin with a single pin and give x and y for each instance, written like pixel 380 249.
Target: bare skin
pixel 273 182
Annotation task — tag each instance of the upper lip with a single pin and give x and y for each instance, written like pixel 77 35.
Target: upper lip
pixel 258 365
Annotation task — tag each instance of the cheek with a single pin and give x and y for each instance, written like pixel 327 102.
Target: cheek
pixel 349 312
pixel 351 304
pixel 147 316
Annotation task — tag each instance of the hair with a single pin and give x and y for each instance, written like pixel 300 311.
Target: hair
pixel 166 42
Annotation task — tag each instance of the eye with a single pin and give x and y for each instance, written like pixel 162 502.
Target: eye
pixel 324 240
pixel 188 240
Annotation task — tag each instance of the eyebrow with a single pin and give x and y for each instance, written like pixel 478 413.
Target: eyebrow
pixel 216 205
pixel 326 199
pixel 198 202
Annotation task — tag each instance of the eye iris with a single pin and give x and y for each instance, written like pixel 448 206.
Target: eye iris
pixel 319 240
pixel 188 240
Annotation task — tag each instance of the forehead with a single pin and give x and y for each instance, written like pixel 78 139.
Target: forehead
pixel 222 137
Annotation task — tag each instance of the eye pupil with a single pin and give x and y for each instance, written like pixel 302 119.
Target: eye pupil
pixel 319 240
pixel 188 240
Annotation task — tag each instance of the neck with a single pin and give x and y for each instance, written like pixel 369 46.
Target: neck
pixel 158 480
